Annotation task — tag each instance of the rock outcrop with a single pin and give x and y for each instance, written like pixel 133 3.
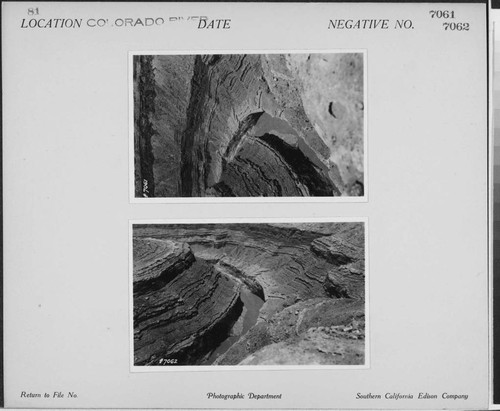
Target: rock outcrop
pixel 317 331
pixel 181 320
pixel 157 262
pixel 249 125
pixel 192 282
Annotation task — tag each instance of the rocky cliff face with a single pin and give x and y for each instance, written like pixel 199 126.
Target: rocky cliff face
pixel 192 283
pixel 249 125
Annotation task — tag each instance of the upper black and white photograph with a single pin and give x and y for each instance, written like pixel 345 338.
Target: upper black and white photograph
pixel 246 294
pixel 248 125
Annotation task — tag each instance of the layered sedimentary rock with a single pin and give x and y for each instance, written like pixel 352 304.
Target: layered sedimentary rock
pixel 157 262
pixel 201 276
pixel 249 125
pixel 317 331
pixel 184 317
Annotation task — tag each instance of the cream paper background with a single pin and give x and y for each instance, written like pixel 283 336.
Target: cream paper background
pixel 67 210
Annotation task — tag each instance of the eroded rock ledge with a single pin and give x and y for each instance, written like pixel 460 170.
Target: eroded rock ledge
pixel 192 282
pixel 249 125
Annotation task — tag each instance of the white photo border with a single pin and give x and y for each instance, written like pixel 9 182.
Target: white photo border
pixel 256 220
pixel 222 200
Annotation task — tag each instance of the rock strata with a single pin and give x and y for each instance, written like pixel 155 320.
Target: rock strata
pixel 309 332
pixel 249 125
pixel 157 262
pixel 192 282
pixel 180 321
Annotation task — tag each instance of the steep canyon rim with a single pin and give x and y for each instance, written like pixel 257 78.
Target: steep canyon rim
pixel 249 125
pixel 248 294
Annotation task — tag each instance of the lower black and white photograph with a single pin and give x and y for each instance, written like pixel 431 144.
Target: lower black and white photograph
pixel 248 294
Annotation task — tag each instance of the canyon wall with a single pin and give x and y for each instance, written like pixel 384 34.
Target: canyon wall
pixel 249 125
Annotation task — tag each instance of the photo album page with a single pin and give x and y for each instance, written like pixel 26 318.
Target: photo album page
pixel 246 205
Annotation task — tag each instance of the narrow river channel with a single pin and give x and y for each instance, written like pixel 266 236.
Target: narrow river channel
pixel 252 304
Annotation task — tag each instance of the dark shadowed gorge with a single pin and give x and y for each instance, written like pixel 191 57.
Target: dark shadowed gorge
pixel 144 100
pixel 249 125
pixel 227 294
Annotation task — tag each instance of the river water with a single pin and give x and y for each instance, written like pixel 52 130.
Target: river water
pixel 252 304
pixel 282 129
